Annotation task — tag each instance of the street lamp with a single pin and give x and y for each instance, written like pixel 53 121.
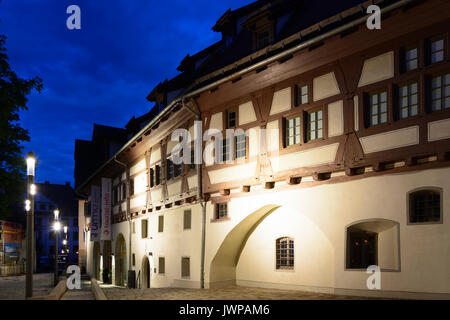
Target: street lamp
pixel 56 227
pixel 29 207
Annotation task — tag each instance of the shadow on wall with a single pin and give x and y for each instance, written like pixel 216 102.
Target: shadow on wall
pixel 223 266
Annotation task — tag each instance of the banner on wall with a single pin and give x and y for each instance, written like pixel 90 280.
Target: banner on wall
pixel 106 209
pixel 95 213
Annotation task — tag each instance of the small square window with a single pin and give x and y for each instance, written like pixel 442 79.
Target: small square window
pixel 221 210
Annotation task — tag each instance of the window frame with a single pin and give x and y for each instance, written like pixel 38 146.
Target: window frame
pixel 159 266
pixel 306 124
pixel 216 211
pixel 227 120
pixel 287 267
pixel 397 109
pixel 285 130
pixel 189 268
pixel 144 222
pixel 367 107
pixel 429 89
pixel 403 59
pixel 428 43
pixel 296 89
pixel 160 225
pixel 441 204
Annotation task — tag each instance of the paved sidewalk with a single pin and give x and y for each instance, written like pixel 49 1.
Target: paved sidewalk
pixel 13 287
pixel 85 293
pixel 227 293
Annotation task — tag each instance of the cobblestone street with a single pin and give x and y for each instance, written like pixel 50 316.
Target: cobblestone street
pixel 13 287
pixel 228 293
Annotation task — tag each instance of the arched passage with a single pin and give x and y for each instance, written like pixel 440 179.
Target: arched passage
pixel 120 260
pixel 223 266
pixel 107 260
pixel 96 260
pixel 145 273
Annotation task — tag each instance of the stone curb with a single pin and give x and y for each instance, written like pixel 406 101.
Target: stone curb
pixel 56 293
pixel 97 291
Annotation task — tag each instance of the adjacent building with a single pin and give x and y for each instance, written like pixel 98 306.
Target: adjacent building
pixel 326 150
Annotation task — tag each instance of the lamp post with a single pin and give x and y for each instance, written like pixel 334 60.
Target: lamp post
pixel 29 207
pixel 56 227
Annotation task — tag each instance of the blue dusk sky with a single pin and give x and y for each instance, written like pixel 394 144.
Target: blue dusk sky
pixel 101 73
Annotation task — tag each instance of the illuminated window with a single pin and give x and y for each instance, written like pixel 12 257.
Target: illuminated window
pixel 292 131
pixel 408 100
pixel 315 125
pixel 436 50
pixel 285 253
pixel 240 146
pixel 411 59
pixel 440 92
pixel 302 95
pixel 377 108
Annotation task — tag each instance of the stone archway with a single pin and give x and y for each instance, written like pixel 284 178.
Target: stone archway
pixel 145 273
pixel 96 260
pixel 120 261
pixel 223 266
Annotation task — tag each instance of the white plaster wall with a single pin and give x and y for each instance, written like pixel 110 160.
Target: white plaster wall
pixel 325 86
pixel 377 69
pixel 336 118
pixel 390 140
pixel 281 101
pixel 439 130
pixel 216 121
pixel 317 218
pixel 137 167
pixel 246 113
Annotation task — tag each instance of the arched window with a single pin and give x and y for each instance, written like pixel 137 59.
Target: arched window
pixel 425 206
pixel 285 253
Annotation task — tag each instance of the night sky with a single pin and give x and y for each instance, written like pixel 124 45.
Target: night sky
pixel 101 73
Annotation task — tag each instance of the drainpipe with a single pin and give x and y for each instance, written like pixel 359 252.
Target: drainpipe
pixel 127 212
pixel 203 205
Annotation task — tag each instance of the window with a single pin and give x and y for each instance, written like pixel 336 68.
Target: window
pixel 231 118
pixel 292 131
pixel 377 108
pixel 408 100
pixel 425 206
pixel 169 169
pixel 240 146
pixel 226 150
pixel 133 259
pixel 315 125
pixel 192 164
pixel 160 223
pixel 362 247
pixel 187 219
pixel 173 170
pixel 411 59
pixel 221 210
pixel 440 92
pixel 152 177
pixel 185 267
pixel 262 39
pixel 134 227
pixel 285 253
pixel 144 228
pixel 436 50
pixel 124 191
pixel 302 96
pixel 162 265
pixel 131 187
pixel 157 175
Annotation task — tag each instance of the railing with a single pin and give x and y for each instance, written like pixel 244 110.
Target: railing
pixel 12 269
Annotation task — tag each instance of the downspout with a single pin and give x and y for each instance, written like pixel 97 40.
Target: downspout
pixel 203 205
pixel 127 212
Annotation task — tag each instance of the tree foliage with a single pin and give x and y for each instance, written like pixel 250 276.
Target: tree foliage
pixel 13 99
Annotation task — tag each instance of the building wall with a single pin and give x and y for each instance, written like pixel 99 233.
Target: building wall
pixel 317 219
